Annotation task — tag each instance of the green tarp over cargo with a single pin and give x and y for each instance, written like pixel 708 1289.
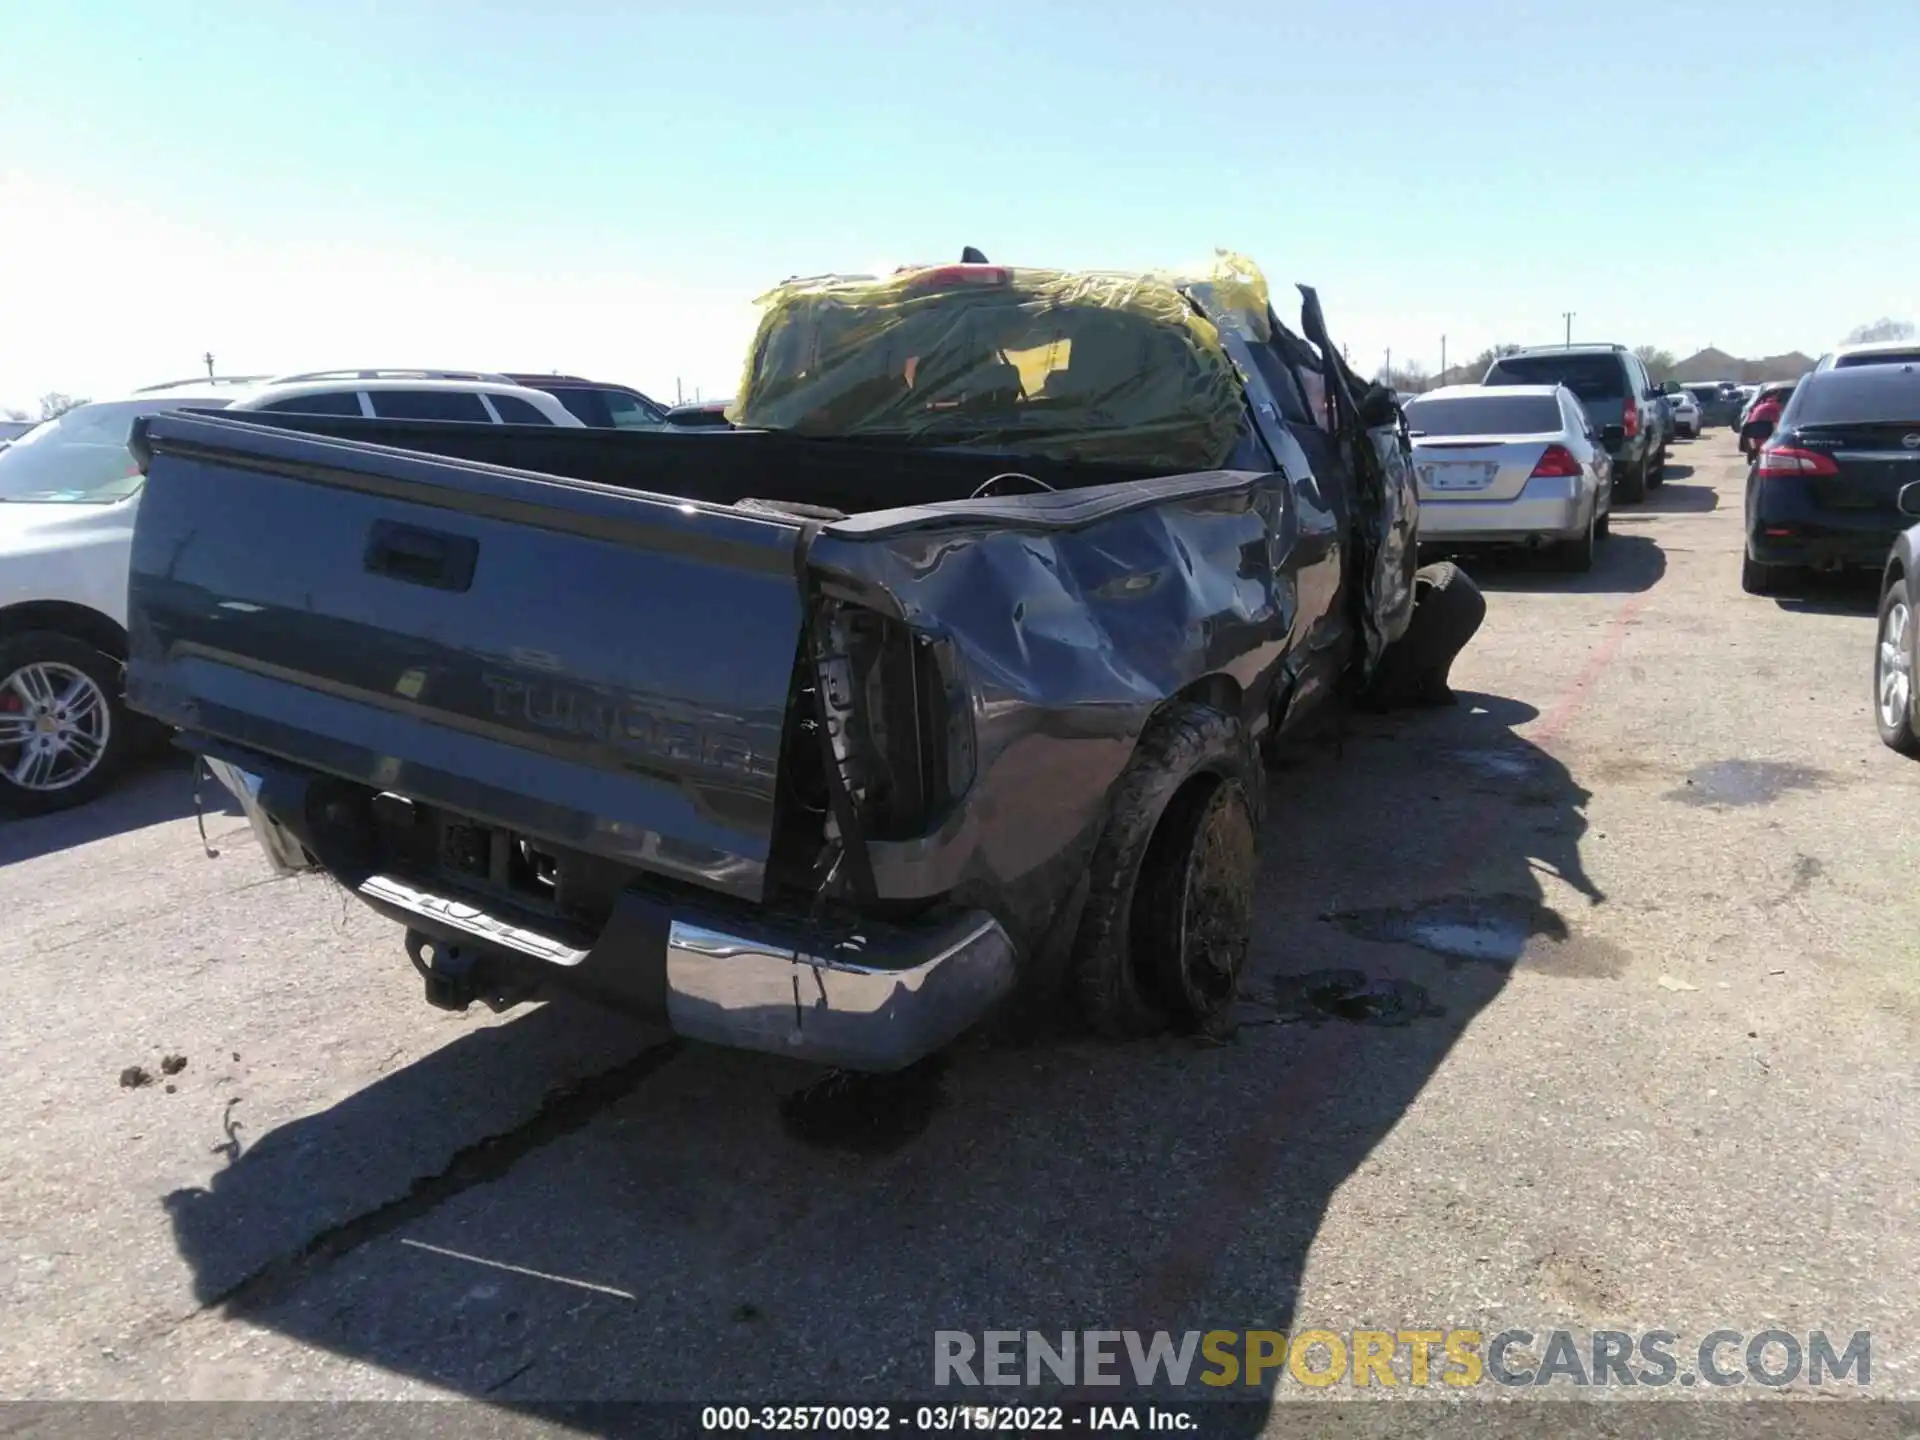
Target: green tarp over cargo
pixel 1112 368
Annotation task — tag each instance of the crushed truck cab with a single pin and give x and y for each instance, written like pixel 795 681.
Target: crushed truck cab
pixel 940 678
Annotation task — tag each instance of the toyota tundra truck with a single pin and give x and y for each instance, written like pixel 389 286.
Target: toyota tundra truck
pixel 939 677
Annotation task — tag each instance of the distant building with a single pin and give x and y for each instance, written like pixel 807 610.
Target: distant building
pixel 1712 364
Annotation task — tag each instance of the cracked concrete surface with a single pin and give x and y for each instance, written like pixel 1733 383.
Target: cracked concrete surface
pixel 349 1195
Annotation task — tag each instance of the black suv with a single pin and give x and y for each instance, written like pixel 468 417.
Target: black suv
pixel 1720 402
pixel 1618 395
pixel 603 406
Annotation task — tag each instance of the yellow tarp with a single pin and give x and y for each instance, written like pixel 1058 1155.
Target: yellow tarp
pixel 1058 364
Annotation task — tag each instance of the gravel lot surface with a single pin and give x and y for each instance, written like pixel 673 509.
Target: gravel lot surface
pixel 1647 898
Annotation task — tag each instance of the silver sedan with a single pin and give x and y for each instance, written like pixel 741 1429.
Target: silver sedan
pixel 1510 465
pixel 1686 415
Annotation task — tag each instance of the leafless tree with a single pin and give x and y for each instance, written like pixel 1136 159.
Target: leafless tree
pixel 54 404
pixel 1408 379
pixel 1882 329
pixel 1659 362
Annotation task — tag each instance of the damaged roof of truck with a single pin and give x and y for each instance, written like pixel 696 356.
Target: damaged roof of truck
pixel 1119 368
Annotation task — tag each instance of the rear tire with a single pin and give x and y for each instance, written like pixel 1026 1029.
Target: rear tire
pixel 1657 468
pixel 1576 556
pixel 76 689
pixel 1759 579
pixel 1894 670
pixel 1630 484
pixel 1164 934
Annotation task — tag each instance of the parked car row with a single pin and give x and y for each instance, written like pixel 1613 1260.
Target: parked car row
pixel 69 492
pixel 1538 452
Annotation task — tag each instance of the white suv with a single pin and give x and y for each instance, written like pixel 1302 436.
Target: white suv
pixel 69 489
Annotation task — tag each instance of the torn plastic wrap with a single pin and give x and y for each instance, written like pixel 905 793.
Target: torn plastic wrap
pixel 1233 286
pixel 1113 368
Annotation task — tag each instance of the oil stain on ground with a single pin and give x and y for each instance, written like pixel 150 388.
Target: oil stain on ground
pixel 1746 782
pixel 866 1114
pixel 1348 995
pixel 1505 931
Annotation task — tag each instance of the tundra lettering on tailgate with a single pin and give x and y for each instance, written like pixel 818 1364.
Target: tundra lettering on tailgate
pixel 641 728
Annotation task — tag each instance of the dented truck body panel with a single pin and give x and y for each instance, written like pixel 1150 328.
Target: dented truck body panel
pixel 1075 615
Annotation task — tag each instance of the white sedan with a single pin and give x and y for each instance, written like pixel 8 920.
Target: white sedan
pixel 1686 415
pixel 1510 465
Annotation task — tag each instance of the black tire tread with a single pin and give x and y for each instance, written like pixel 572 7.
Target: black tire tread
pixel 1630 484
pixel 1182 740
pixel 1757 578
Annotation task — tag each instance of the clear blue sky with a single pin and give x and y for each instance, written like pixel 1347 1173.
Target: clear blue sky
pixel 602 187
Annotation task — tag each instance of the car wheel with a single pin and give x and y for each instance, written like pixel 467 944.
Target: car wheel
pixel 1577 555
pixel 1893 671
pixel 1630 484
pixel 63 731
pixel 1657 468
pixel 1759 579
pixel 1168 916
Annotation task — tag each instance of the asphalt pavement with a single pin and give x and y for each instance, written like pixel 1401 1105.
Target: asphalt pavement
pixel 1589 1003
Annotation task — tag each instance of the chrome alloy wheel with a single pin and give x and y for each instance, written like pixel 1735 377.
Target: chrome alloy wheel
pixel 54 726
pixel 1895 665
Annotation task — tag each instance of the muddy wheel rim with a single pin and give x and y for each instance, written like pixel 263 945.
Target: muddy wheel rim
pixel 54 726
pixel 1895 665
pixel 1217 903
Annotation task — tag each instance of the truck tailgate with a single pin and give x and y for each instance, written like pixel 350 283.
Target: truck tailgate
pixel 603 669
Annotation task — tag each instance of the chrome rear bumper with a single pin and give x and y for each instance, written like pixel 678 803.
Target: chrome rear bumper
pixel 878 1008
pixel 874 998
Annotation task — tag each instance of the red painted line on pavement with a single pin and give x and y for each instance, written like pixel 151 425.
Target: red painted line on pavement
pixel 1254 1157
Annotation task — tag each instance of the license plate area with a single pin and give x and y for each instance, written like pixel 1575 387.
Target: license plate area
pixel 1445 475
pixel 457 853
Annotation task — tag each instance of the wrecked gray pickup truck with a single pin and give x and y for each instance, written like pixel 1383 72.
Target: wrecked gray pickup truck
pixel 942 677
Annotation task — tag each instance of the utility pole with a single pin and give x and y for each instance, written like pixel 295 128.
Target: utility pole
pixel 679 395
pixel 1389 371
pixel 1568 315
pixel 1443 359
pixel 208 357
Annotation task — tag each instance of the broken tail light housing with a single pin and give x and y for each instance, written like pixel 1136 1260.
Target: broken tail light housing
pixel 898 719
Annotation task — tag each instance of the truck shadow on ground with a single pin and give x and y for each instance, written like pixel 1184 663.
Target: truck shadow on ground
pixel 153 790
pixel 1625 564
pixel 660 1231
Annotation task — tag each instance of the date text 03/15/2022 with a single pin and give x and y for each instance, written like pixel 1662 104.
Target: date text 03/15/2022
pixel 945 1419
